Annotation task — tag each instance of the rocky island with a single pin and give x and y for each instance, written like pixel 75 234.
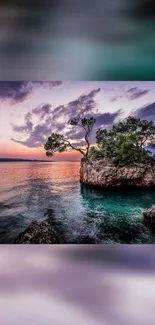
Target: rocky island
pixel 122 156
pixel 103 173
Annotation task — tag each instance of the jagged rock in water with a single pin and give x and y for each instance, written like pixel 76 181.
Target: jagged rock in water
pixel 48 231
pixel 149 217
pixel 104 173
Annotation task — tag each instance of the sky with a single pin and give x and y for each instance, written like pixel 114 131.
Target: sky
pixel 31 111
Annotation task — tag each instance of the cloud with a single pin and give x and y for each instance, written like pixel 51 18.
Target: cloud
pixel 42 110
pixel 147 112
pixel 18 91
pixel 131 90
pixel 131 94
pixel 82 105
pixel 115 99
pixel 15 90
pixel 34 135
pixel 135 92
pixel 54 120
pixel 106 118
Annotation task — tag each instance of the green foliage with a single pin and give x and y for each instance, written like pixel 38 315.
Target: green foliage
pixel 86 123
pixel 55 142
pixel 125 143
pixel 58 143
pixel 95 153
pixel 81 172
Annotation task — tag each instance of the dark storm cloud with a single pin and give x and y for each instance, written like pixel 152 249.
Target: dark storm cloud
pixel 18 91
pixel 147 112
pixel 15 90
pixel 135 92
pixel 106 118
pixel 55 120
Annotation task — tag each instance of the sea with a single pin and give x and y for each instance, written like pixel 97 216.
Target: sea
pixel 86 214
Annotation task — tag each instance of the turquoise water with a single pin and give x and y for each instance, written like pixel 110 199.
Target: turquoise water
pixel 87 215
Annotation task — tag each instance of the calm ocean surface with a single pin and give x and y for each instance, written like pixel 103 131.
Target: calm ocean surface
pixel 28 189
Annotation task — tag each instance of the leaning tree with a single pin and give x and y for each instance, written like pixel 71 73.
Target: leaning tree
pixel 59 143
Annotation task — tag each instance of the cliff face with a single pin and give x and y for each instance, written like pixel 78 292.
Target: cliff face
pixel 105 174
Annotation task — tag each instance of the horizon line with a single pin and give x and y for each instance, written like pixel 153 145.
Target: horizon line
pixel 37 159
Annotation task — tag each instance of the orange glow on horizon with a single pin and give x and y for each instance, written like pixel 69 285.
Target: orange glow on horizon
pixel 19 151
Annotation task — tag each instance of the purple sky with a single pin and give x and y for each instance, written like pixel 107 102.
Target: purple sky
pixel 31 111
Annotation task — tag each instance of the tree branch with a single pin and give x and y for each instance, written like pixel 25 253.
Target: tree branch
pixel 77 149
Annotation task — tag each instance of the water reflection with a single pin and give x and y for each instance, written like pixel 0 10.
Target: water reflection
pixel 87 214
pixel 29 189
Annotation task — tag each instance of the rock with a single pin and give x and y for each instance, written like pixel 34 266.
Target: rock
pixel 149 217
pixel 48 231
pixel 36 233
pixel 104 173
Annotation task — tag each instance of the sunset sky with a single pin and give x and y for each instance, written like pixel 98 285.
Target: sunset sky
pixel 31 111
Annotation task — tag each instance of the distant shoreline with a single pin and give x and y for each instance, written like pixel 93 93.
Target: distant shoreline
pixel 22 160
pixel 32 160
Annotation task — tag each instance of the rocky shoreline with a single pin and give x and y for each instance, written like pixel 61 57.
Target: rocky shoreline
pixel 105 174
pixel 102 174
pixel 50 231
pixel 47 231
pixel 149 218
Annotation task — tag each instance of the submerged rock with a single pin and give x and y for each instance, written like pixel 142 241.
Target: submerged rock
pixel 149 217
pixel 48 231
pixel 104 173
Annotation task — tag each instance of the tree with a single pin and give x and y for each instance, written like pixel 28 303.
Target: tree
pixel 58 142
pixel 126 142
